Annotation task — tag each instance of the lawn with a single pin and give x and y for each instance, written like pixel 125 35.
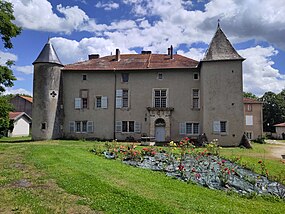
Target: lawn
pixel 64 177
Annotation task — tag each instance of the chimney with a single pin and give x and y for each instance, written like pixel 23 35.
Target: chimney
pixel 118 57
pixel 93 56
pixel 171 52
pixel 168 51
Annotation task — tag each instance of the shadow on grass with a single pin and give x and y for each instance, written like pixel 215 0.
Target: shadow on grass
pixel 15 139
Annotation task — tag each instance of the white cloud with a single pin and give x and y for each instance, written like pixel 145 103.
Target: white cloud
pixel 193 53
pixel 17 91
pixel 259 74
pixel 107 6
pixel 38 15
pixel 4 56
pixel 28 69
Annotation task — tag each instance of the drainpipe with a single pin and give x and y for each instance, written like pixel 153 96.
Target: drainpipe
pixel 115 85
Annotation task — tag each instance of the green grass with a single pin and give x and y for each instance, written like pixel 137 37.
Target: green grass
pixel 66 178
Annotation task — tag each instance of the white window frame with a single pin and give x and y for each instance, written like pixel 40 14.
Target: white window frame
pixel 89 127
pixel 249 120
pixel 249 133
pixel 217 127
pixel 195 97
pixel 183 128
pixel 103 102
pixel 153 97
pixel 120 97
pixel 119 127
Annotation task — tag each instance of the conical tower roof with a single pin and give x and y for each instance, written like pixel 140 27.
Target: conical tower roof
pixel 48 55
pixel 221 49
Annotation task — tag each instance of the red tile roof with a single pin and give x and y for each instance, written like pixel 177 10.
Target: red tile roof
pixel 14 115
pixel 30 99
pixel 135 62
pixel 280 125
pixel 251 100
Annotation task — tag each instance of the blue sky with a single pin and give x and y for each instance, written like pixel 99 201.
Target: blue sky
pixel 256 28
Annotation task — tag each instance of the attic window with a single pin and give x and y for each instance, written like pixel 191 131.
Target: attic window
pixel 195 76
pixel 159 76
pixel 125 77
pixel 84 77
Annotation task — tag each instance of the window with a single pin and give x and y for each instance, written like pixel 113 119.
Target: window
pixel 84 97
pixel 220 126
pixel 249 107
pixel 125 98
pixel 196 76
pixel 128 126
pixel 81 126
pixel 101 102
pixel 98 102
pixel 122 98
pixel 223 126
pixel 160 98
pixel 189 128
pixel 84 77
pixel 77 103
pixel 43 126
pixel 249 135
pixel 159 76
pixel 249 120
pixel 195 98
pixel 125 77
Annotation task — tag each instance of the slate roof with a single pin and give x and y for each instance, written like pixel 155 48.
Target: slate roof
pixel 48 55
pixel 135 62
pixel 251 100
pixel 221 49
pixel 29 99
pixel 280 125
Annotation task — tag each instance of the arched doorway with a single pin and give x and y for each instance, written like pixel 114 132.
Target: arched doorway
pixel 160 130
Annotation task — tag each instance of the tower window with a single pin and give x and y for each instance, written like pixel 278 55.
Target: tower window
pixel 43 126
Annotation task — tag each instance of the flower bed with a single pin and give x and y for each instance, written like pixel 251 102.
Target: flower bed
pixel 205 168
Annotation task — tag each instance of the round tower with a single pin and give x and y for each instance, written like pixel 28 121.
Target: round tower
pixel 47 112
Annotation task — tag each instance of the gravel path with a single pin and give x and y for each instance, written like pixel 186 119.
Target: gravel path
pixel 277 149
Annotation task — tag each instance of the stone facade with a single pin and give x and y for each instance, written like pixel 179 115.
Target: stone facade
pixel 127 96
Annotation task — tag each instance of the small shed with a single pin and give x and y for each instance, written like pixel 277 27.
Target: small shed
pixel 280 130
pixel 22 124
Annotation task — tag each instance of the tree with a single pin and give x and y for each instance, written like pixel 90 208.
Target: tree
pixel 249 95
pixel 8 30
pixel 5 123
pixel 273 110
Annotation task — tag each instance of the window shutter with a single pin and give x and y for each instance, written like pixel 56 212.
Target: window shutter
pixel 118 126
pixel 137 127
pixel 182 128
pixel 216 126
pixel 119 98
pixel 119 102
pixel 199 99
pixel 71 126
pixel 90 126
pixel 77 103
pixel 119 93
pixel 104 102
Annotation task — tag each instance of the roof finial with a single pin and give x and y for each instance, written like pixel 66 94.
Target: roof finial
pixel 219 23
pixel 48 42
